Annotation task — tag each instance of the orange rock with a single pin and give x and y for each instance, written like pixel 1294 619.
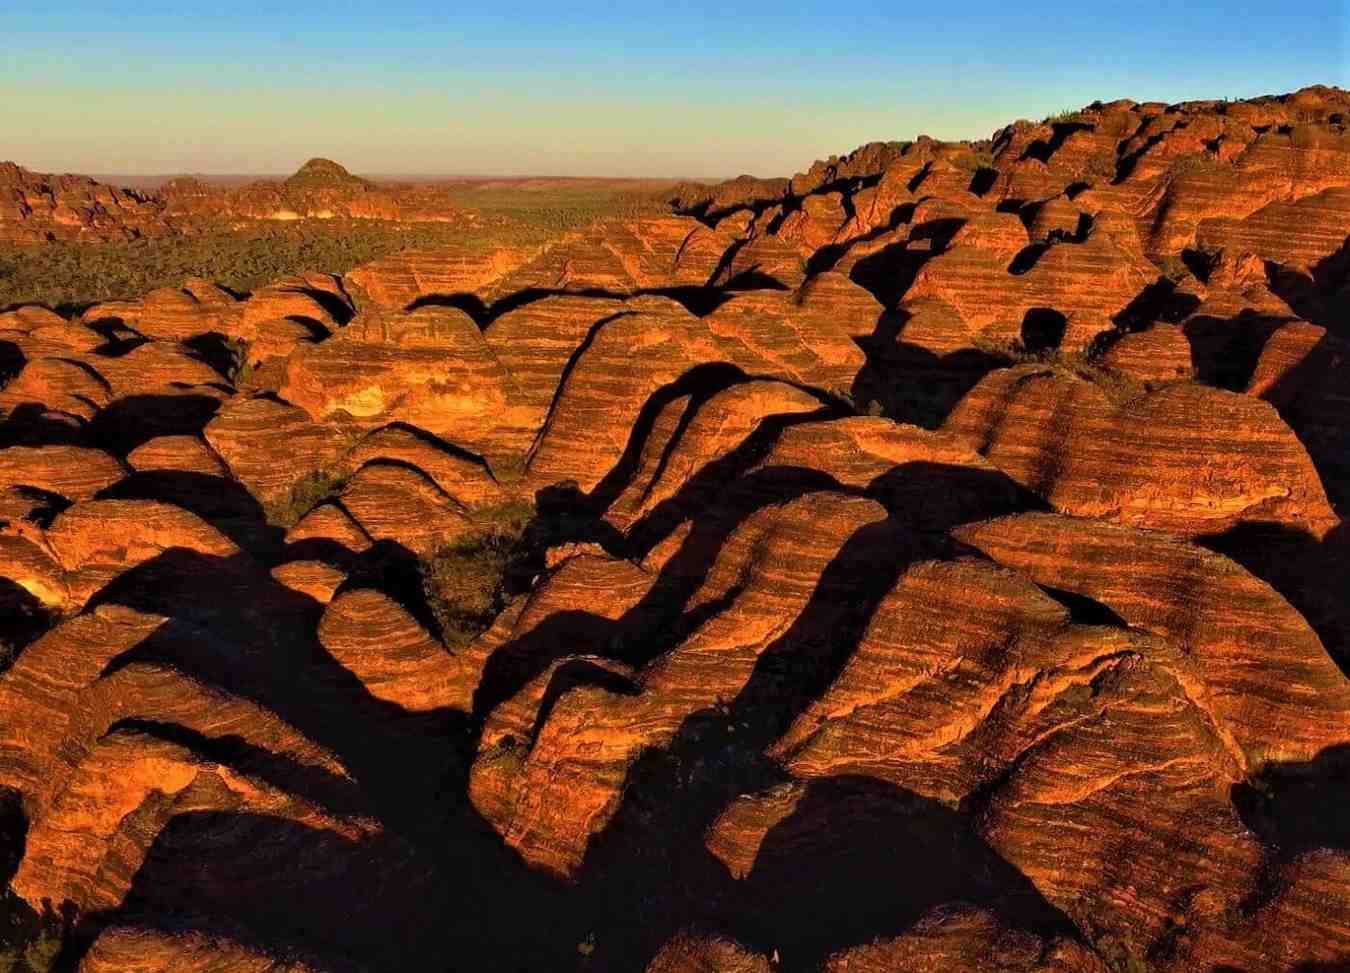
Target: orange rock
pixel 680 457
pixel 463 477
pixel 397 281
pixel 702 954
pixel 430 368
pixel 1133 463
pixel 330 529
pixel 1302 371
pixel 966 938
pixel 89 846
pixel 628 359
pixel 29 318
pixel 394 658
pixel 187 454
pixel 1235 625
pixel 59 385
pixel 67 471
pixel 97 540
pixel 314 578
pixel 567 783
pixel 809 337
pixel 396 503
pixel 538 342
pixel 1160 353
pixel 169 314
pixel 269 445
pixel 133 950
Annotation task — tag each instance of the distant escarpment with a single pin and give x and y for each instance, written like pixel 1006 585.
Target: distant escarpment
pixel 933 561
pixel 36 208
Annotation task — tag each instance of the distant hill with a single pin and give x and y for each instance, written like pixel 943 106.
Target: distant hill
pixel 39 207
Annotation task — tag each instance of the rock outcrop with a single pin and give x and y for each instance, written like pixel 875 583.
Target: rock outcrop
pixel 934 560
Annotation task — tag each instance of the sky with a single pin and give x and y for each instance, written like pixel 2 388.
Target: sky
pixel 696 89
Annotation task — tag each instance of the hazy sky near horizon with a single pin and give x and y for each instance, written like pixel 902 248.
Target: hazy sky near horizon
pixel 590 88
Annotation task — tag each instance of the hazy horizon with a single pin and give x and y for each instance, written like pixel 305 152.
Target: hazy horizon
pixel 595 91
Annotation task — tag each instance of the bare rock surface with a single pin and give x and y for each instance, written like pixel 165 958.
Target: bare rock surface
pixel 931 560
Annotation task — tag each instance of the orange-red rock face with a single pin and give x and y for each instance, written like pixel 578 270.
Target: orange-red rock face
pixel 937 562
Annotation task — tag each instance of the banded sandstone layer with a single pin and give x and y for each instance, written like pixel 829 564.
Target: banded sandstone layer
pixel 940 563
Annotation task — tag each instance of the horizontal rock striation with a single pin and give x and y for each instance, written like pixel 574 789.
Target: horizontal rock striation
pixel 933 560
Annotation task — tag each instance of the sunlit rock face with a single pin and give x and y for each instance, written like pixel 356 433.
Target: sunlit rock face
pixel 934 560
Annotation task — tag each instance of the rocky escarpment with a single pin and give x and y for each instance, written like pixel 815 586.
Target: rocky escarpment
pixel 320 189
pixel 41 207
pixel 935 560
pixel 36 207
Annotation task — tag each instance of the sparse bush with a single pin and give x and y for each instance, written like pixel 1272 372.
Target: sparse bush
pixel 974 161
pixel 240 368
pixel 1119 388
pixel 862 404
pixel 30 942
pixel 1120 958
pixel 1198 163
pixel 304 495
pixel 467 581
pixel 1174 268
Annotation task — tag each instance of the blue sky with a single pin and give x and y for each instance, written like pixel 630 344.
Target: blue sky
pixel 590 88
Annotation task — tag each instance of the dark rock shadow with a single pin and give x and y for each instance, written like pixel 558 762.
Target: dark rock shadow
pixel 23 620
pixel 134 420
pixel 860 859
pixel 1158 302
pixel 844 867
pixel 1322 295
pixel 699 301
pixel 1311 574
pixel 1043 328
pixel 33 424
pixel 12 360
pixel 1299 806
pixel 888 273
pixel 912 384
pixel 220 501
pixel 1225 350
pixel 1312 398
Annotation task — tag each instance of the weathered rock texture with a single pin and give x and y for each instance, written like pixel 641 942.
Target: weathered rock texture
pixel 935 561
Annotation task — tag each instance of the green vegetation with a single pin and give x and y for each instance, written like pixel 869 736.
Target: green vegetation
pixel 71 276
pixel 30 942
pixel 304 495
pixel 468 581
pixel 973 161
pixel 1174 268
pixel 1118 388
pixel 1059 117
pixel 531 213
pixel 238 368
